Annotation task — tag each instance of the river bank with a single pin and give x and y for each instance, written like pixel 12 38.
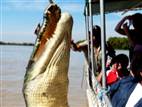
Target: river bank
pixel 18 44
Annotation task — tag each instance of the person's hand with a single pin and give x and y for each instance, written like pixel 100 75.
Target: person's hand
pixel 72 41
pixel 125 25
pixel 73 46
pixel 127 17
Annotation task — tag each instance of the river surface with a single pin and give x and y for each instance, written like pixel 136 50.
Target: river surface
pixel 13 64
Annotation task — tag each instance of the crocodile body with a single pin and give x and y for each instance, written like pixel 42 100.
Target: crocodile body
pixel 46 78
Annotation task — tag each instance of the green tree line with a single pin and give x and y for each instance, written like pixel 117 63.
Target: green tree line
pixel 119 42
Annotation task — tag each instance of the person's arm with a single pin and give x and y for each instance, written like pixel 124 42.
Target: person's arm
pixel 99 77
pixel 79 46
pixel 128 33
pixel 119 26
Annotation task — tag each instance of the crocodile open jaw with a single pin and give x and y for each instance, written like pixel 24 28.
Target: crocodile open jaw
pixel 46 79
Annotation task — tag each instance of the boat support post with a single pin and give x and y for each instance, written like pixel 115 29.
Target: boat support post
pixel 93 64
pixel 103 41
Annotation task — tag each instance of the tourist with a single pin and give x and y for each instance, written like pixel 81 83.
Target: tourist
pixel 83 46
pixel 131 27
pixel 127 91
pixel 118 69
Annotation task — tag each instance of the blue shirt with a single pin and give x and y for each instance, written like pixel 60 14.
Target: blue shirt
pixel 121 90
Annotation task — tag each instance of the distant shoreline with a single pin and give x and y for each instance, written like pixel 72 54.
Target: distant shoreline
pixel 18 44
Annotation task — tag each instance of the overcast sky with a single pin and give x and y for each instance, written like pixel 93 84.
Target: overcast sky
pixel 19 18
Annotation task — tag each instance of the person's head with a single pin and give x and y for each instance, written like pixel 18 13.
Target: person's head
pixel 121 62
pixel 136 65
pixel 137 21
pixel 110 50
pixel 97 35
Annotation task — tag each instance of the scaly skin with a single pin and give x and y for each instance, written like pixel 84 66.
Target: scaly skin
pixel 46 79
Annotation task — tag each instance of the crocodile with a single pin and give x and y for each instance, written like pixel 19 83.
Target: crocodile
pixel 46 79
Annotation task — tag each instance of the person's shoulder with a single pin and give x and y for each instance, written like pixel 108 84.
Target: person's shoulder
pixel 124 82
pixel 108 71
pixel 128 80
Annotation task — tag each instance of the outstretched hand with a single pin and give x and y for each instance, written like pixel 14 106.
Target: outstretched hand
pixel 73 46
pixel 125 25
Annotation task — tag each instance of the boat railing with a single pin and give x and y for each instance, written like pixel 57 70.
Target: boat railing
pixel 95 92
pixel 96 95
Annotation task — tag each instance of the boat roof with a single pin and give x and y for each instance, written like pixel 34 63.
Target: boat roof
pixel 114 5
